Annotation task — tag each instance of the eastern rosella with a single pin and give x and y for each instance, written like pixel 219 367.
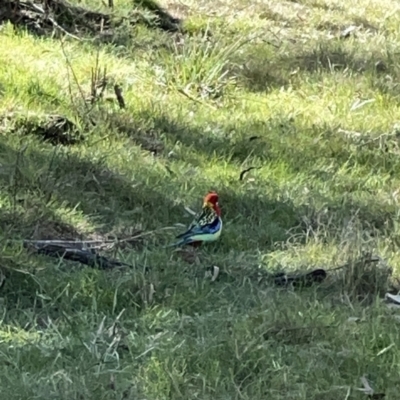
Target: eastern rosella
pixel 206 226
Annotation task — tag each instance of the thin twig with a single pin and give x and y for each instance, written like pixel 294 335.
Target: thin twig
pixel 14 177
pixel 185 93
pixel 300 328
pixel 166 228
pixel 98 81
pixel 53 156
pixel 94 242
pixel 76 82
pixel 73 73
pixel 372 259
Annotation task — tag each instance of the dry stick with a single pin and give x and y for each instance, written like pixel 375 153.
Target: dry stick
pixel 77 83
pixel 258 37
pixel 70 89
pixel 73 73
pixel 93 81
pixel 53 157
pixel 93 89
pixel 298 328
pixel 118 95
pixel 244 172
pixel 183 91
pixel 147 233
pixel 366 260
pixel 83 242
pixel 14 177
pixel 98 81
pixel 104 82
pixel 77 252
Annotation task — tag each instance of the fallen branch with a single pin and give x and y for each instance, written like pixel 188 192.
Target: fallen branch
pixel 53 22
pixel 65 251
pixel 301 279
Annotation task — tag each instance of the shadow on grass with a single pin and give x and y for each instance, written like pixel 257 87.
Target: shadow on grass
pixel 333 58
pixel 319 5
pixel 266 68
pixel 165 20
pixel 281 138
pixel 301 148
pixel 110 202
pixel 53 190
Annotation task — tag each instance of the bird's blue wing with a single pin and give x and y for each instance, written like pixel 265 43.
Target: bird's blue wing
pixel 210 228
pixel 204 223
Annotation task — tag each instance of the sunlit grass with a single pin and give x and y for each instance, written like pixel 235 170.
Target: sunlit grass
pixel 270 85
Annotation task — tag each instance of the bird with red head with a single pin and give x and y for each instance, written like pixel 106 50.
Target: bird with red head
pixel 206 226
pixel 211 199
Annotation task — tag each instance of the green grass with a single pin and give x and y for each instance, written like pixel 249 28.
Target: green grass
pixel 268 84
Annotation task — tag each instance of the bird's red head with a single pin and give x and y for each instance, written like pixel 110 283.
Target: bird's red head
pixel 211 199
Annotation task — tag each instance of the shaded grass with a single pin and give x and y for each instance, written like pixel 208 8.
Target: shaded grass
pixel 315 114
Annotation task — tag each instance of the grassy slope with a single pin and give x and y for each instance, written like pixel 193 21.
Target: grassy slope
pixel 326 190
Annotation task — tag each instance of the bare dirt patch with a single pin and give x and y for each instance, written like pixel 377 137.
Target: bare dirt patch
pixel 53 128
pixel 50 17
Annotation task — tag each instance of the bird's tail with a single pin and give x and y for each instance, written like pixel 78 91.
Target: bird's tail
pixel 168 246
